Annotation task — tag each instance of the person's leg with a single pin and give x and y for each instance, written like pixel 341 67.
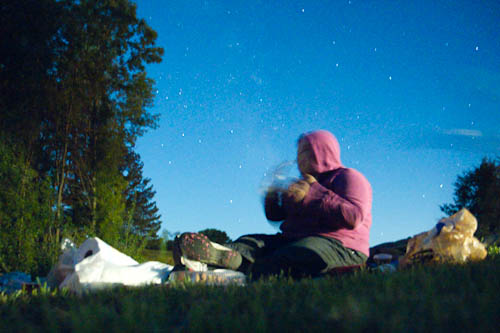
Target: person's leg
pixel 256 246
pixel 309 256
pixel 238 255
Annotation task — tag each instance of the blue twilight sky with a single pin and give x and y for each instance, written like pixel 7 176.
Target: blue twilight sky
pixel 411 89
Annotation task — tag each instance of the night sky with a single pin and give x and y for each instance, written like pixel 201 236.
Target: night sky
pixel 411 89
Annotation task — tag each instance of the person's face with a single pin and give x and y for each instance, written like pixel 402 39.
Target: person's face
pixel 305 156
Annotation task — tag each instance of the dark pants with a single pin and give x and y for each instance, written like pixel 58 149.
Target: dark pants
pixel 275 254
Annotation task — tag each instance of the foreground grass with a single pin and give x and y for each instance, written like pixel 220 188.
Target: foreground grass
pixel 421 299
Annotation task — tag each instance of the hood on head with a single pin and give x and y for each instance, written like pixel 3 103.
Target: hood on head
pixel 326 149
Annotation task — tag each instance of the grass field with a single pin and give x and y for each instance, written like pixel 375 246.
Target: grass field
pixel 463 298
pixel 158 255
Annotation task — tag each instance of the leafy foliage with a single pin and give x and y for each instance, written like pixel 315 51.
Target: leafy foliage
pixel 74 98
pixel 493 251
pixel 479 191
pixel 26 233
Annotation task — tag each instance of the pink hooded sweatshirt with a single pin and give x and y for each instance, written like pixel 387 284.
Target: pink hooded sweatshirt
pixel 338 205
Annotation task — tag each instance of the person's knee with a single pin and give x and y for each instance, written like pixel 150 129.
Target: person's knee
pixel 249 246
pixel 256 239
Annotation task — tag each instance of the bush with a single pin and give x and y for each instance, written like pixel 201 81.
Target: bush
pixel 216 235
pixel 28 242
pixel 493 251
pixel 154 244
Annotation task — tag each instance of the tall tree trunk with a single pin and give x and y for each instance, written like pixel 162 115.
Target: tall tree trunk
pixel 61 170
pixel 94 206
pixel 61 180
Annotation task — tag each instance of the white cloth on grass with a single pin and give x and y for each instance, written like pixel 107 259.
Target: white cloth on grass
pixel 98 265
pixel 106 252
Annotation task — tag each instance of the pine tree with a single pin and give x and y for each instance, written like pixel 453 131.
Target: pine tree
pixel 139 195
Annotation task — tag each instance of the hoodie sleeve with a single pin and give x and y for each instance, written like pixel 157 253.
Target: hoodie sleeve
pixel 272 207
pixel 344 204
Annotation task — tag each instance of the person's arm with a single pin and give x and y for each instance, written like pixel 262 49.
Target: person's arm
pixel 344 206
pixel 272 206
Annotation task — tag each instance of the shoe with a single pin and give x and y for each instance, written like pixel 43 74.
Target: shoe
pixel 197 247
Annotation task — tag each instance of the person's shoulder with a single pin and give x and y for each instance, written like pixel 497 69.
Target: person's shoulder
pixel 352 174
pixel 349 171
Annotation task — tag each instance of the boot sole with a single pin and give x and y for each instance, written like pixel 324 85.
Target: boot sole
pixel 198 247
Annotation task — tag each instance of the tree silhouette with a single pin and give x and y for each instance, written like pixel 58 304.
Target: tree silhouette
pixel 216 235
pixel 478 190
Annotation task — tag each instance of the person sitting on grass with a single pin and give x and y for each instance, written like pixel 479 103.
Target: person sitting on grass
pixel 326 221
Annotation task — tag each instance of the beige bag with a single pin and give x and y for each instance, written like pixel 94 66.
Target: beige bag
pixel 451 240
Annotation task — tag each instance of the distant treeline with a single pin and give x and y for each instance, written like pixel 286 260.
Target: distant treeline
pixel 74 98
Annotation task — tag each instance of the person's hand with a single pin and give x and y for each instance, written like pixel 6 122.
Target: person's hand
pixel 298 190
pixel 309 178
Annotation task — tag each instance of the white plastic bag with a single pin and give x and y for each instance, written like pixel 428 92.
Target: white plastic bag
pixel 107 253
pixel 95 265
pixel 95 272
